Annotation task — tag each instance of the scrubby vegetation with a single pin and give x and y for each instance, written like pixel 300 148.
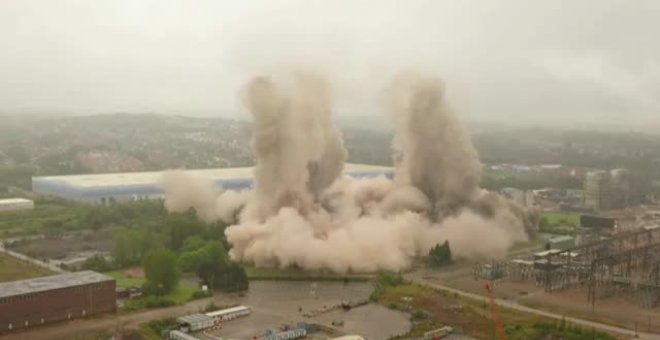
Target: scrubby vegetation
pixel 440 255
pixel 48 216
pixel 528 181
pixel 55 217
pixel 297 274
pixel 154 329
pixel 98 263
pixel 179 295
pixel 161 272
pixel 560 330
pixel 431 309
pixel 12 269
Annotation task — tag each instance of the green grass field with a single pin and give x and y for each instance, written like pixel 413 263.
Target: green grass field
pixel 181 294
pixel 124 281
pixel 12 269
pixel 556 218
pixel 537 241
pixel 559 223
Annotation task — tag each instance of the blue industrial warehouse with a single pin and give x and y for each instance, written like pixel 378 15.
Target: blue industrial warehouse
pixel 133 186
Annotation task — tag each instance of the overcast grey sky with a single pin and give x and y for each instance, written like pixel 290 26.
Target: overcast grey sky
pixel 525 60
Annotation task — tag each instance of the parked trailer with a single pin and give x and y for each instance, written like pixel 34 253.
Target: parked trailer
pixel 195 322
pixel 290 334
pixel 179 335
pixel 229 313
pixel 15 204
pixel 438 333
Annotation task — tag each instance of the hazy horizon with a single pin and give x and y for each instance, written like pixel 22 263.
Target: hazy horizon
pixel 517 62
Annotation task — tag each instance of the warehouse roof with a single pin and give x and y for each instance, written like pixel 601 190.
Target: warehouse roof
pixel 12 201
pixel 52 282
pixel 153 177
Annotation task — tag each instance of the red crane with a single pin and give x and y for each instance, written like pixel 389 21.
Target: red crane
pixel 497 320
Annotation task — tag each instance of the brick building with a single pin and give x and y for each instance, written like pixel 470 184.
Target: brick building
pixel 27 303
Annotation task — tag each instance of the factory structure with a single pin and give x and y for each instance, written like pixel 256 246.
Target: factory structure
pixel 621 264
pixel 525 198
pixel 8 205
pixel 609 189
pixel 113 188
pixel 42 300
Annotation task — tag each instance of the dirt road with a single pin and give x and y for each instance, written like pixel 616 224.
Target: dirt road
pixel 519 307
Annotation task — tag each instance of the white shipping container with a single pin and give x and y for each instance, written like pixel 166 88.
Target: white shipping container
pixel 179 335
pixel 15 204
pixel 229 313
pixel 196 322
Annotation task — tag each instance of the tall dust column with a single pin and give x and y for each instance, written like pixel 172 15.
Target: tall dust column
pixel 299 152
pixel 433 151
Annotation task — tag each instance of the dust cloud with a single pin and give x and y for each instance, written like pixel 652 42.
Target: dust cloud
pixel 302 212
pixel 184 191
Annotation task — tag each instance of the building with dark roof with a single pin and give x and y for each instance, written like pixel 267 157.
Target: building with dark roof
pixel 37 301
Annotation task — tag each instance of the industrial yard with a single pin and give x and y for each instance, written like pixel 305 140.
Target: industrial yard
pixel 614 279
pixel 271 305
pixel 614 310
pixel 277 303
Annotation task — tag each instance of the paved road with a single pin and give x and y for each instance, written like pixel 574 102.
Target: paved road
pixel 75 328
pixel 519 307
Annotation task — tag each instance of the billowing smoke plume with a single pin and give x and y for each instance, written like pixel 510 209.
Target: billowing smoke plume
pixel 299 152
pixel 435 153
pixel 184 191
pixel 302 212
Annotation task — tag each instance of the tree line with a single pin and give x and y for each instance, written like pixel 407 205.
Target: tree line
pixel 167 246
